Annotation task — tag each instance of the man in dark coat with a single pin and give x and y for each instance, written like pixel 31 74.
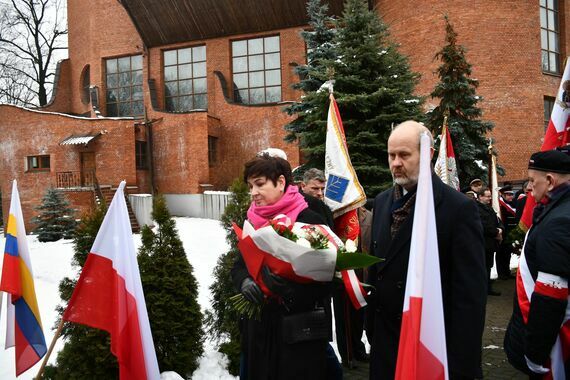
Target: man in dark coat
pixel 461 256
pixel 532 341
pixel 508 218
pixel 492 231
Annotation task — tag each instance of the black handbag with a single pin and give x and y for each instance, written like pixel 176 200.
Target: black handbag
pixel 305 326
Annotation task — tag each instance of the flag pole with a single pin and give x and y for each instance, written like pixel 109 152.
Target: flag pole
pixel 51 346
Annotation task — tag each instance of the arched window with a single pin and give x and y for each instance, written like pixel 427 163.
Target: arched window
pixel 85 82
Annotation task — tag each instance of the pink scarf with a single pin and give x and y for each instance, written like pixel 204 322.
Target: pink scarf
pixel 290 204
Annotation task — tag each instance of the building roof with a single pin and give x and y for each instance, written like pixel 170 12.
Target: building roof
pixel 170 21
pixel 79 139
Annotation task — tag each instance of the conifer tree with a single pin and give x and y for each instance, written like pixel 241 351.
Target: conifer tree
pixel 374 90
pixel 456 91
pixel 222 321
pixel 55 220
pixel 86 353
pixel 171 294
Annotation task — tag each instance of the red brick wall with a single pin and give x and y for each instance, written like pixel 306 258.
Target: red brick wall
pixel 503 45
pixel 29 133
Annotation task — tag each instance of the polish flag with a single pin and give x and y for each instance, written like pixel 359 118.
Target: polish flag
pixel 557 134
pixel 422 351
pixel 109 295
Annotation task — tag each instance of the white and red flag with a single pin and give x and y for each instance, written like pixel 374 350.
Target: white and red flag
pixel 109 295
pixel 445 166
pixel 343 194
pixel 557 134
pixel 422 351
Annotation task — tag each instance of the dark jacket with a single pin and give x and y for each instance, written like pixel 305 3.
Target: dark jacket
pixel 490 222
pixel 547 249
pixel 319 207
pixel 266 355
pixel 463 281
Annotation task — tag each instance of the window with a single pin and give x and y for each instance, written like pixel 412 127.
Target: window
pixel 212 150
pixel 38 163
pixel 140 155
pixel 85 82
pixel 256 67
pixel 185 85
pixel 548 105
pixel 550 36
pixel 124 86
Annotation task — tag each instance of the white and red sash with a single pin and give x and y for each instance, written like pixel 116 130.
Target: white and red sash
pixel 561 349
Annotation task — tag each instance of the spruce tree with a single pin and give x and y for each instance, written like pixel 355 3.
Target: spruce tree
pixel 374 90
pixel 456 91
pixel 171 294
pixel 86 353
pixel 222 321
pixel 55 220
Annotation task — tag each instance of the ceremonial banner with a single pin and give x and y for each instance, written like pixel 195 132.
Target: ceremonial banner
pixel 24 325
pixel 445 166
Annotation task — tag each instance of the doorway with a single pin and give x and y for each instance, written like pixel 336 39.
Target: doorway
pixel 87 168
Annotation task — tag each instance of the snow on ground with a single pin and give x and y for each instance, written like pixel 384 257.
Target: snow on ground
pixel 204 241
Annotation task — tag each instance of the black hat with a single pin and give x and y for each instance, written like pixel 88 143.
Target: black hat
pixel 564 149
pixel 506 189
pixel 553 161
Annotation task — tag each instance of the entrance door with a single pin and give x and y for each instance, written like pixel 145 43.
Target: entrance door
pixel 87 169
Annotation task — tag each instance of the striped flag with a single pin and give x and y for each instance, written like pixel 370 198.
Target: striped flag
pixel 445 166
pixel 343 194
pixel 109 295
pixel 24 325
pixel 422 350
pixel 557 134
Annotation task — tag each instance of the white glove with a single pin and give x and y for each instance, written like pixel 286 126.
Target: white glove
pixel 536 368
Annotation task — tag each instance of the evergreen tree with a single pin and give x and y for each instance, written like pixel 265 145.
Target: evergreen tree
pixel 55 220
pixel 86 353
pixel 222 321
pixel 374 91
pixel 171 294
pixel 457 93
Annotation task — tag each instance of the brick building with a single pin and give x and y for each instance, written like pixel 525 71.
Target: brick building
pixel 174 97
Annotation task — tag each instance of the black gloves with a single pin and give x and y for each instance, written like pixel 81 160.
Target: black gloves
pixel 251 291
pixel 295 295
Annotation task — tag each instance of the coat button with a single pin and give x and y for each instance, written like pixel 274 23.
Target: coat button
pixel 379 277
pixel 399 284
pixel 399 317
pixel 374 244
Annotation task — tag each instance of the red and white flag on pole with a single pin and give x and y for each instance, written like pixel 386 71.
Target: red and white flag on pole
pixel 422 352
pixel 445 166
pixel 557 134
pixel 343 194
pixel 109 295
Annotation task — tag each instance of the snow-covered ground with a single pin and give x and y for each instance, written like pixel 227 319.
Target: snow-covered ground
pixel 204 241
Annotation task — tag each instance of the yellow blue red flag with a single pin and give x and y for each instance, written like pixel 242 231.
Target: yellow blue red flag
pixel 24 325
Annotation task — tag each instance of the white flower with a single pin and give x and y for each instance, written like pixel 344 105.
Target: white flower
pixel 350 246
pixel 330 245
pixel 304 242
pixel 298 231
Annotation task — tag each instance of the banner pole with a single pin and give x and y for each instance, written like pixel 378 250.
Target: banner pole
pixel 51 346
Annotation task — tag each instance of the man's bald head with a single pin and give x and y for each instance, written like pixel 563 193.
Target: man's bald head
pixel 404 153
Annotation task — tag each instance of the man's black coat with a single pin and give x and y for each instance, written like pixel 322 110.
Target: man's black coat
pixel 463 279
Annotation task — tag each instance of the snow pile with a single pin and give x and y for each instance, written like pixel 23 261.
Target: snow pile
pixel 203 240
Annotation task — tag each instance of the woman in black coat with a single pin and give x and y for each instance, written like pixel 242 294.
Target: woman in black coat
pixel 265 353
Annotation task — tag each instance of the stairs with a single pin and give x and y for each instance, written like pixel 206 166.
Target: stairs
pixel 108 192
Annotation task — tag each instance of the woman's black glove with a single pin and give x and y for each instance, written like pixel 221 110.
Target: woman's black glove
pixel 251 291
pixel 292 293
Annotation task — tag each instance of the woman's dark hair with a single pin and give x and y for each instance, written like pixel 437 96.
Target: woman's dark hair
pixel 264 165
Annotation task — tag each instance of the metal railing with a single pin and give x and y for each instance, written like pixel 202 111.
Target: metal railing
pixel 78 178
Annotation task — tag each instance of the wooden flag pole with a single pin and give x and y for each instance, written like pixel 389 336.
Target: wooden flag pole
pixel 51 346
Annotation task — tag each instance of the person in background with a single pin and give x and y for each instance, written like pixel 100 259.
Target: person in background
pixel 476 185
pixel 508 218
pixel 265 352
pixel 541 298
pixel 313 189
pixel 492 230
pixel 521 201
pixel 461 257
